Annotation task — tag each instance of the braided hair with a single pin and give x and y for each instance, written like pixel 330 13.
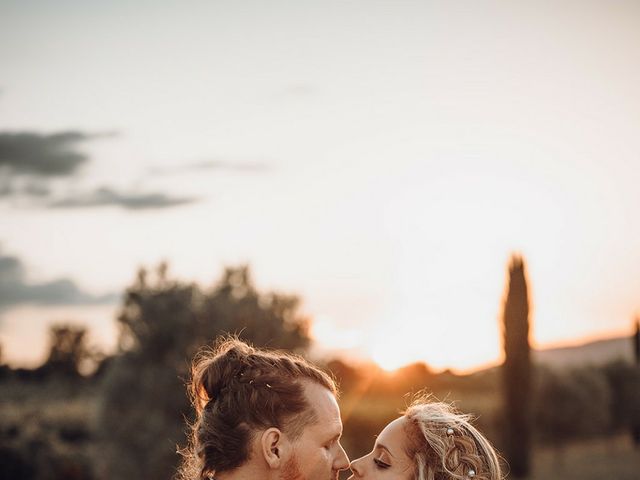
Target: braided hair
pixel 237 390
pixel 445 446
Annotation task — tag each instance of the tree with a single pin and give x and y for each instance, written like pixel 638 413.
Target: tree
pixel 636 341
pixel 571 404
pixel 517 369
pixel 624 381
pixel 163 322
pixel 68 350
pixel 635 429
pixel 270 319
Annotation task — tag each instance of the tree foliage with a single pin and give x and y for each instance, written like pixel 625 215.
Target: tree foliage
pixel 624 382
pixel 571 404
pixel 68 350
pixel 163 322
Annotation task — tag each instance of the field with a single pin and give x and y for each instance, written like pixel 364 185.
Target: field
pixel 48 429
pixel 612 458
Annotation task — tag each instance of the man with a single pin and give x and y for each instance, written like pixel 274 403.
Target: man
pixel 262 415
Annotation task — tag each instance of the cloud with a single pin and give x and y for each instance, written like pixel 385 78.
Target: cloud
pixel 39 155
pixel 104 196
pixel 29 161
pixel 6 188
pixel 36 189
pixel 222 165
pixel 31 188
pixel 14 290
pixel 230 166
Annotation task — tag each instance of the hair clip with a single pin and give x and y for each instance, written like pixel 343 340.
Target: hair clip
pixel 449 431
pixel 472 473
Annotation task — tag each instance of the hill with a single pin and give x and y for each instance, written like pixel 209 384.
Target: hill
pixel 592 353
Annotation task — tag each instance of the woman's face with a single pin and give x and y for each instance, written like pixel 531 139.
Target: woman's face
pixel 387 460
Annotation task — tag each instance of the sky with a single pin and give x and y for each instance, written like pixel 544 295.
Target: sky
pixel 380 159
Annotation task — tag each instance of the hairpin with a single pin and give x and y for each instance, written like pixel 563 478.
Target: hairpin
pixel 449 431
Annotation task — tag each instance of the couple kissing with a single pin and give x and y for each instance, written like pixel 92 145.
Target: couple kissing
pixel 269 415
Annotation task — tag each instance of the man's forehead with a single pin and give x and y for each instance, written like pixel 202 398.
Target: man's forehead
pixel 323 402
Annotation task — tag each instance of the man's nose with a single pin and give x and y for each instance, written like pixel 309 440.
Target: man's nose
pixel 343 460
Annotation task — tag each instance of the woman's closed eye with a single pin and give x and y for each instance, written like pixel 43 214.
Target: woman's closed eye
pixel 381 464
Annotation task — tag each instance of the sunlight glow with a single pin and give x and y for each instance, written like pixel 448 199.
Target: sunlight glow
pixel 390 359
pixel 391 197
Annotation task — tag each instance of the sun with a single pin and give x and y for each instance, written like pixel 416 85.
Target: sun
pixel 388 363
pixel 391 355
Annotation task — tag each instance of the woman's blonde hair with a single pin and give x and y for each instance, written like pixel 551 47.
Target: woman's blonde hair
pixel 445 446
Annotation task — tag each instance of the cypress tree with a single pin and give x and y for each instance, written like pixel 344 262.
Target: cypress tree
pixel 517 370
pixel 636 341
pixel 635 432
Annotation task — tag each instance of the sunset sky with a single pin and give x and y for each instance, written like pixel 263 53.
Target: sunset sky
pixel 380 159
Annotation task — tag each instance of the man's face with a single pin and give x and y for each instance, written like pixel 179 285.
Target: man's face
pixel 317 454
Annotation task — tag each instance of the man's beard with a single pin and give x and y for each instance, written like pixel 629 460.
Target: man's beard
pixel 291 471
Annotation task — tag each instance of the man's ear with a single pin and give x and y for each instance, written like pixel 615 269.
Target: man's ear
pixel 274 447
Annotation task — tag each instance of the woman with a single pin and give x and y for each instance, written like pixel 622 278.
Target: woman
pixel 430 441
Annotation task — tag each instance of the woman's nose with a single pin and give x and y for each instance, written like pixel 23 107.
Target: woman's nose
pixel 355 467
